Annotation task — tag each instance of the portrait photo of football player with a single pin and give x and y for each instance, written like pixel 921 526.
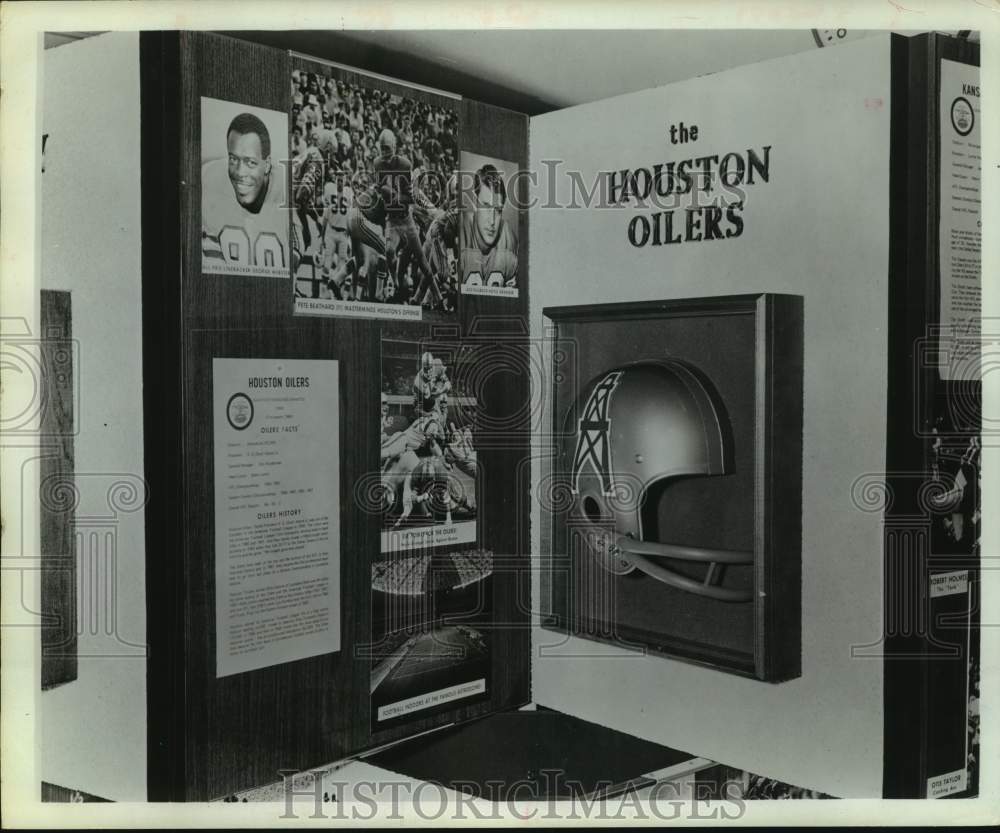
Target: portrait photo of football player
pixel 244 221
pixel 488 256
pixel 428 456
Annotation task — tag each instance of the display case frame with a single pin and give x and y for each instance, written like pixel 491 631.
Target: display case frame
pixel 774 654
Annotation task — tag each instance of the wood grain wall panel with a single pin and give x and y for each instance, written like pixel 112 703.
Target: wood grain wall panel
pixel 494 333
pixel 216 736
pixel 230 70
pixel 917 398
pixel 162 368
pixel 500 326
pixel 245 728
pixel 57 503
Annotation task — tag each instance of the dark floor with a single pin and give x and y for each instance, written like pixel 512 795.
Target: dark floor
pixel 528 755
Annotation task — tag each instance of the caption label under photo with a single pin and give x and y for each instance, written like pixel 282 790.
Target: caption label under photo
pixel 491 291
pixel 358 309
pixel 431 699
pixel 399 540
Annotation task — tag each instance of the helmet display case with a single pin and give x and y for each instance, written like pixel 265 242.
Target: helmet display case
pixel 676 483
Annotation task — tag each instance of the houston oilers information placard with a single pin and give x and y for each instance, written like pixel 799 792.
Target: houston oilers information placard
pixel 277 531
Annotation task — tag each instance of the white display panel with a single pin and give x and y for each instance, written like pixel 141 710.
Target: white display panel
pixel 814 221
pixel 92 731
pixel 960 222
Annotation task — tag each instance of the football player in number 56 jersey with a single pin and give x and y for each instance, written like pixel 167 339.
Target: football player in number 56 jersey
pixel 489 244
pixel 242 222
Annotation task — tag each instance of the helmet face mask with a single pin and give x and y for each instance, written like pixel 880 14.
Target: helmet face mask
pixel 632 429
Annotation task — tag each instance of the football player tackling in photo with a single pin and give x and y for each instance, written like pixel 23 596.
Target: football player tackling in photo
pixel 393 178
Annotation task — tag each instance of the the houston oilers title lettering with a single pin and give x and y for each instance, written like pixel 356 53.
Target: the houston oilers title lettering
pixel 592 434
pixel 698 200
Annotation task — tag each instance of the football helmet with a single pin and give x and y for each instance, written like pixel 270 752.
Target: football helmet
pixel 387 143
pixel 430 480
pixel 451 192
pixel 633 427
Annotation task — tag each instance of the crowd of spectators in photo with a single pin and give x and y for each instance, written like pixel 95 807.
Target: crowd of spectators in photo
pixel 344 121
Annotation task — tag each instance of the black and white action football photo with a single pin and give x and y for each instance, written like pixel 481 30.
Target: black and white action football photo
pixel 374 193
pixel 428 461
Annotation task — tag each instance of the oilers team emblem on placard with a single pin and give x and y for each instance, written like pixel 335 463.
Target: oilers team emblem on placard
pixel 592 447
pixel 962 116
pixel 239 411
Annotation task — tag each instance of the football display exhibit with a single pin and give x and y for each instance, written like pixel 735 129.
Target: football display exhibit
pixel 752 348
pixel 353 429
pixel 679 470
pixel 698 450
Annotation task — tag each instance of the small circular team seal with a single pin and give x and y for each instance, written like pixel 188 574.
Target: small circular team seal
pixel 239 411
pixel 962 117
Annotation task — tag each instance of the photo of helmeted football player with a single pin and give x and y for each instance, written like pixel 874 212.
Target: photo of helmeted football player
pixel 338 264
pixel 394 180
pixel 365 226
pixel 415 468
pixel 489 231
pixel 427 455
pixel 441 244
pixel 244 222
pixel 386 421
pixel 430 384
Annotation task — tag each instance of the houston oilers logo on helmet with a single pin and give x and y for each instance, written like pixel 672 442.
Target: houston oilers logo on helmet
pixel 592 445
